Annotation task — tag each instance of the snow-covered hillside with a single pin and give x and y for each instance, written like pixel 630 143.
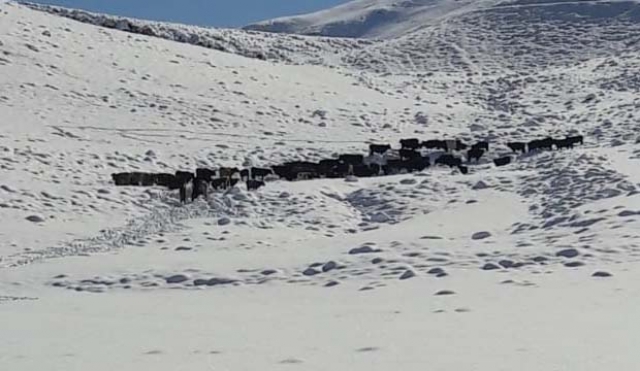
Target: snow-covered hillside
pixel 529 266
pixel 393 18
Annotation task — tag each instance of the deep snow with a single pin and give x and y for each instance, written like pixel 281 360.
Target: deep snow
pixel 489 271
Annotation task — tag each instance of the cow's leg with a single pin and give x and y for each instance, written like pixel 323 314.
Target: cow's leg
pixel 183 194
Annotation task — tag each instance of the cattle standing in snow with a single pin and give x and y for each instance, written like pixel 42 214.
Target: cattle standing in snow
pixel 186 190
pixel 254 185
pixel 418 163
pixel 135 179
pixel 146 179
pixel 517 146
pixel 449 160
pixel 578 139
pixel 481 145
pixel 121 179
pixel 228 172
pixel 206 174
pixel 329 168
pixel 260 173
pixel 184 176
pixel 200 188
pixel 222 184
pixel 351 159
pixel 475 154
pixel 410 143
pixel 435 144
pixel 455 145
pixel 395 167
pixel 407 154
pixel 502 161
pixel 563 143
pixel 165 180
pixel 378 148
pixel 361 171
pixel 283 171
pixel 539 144
pixel 298 170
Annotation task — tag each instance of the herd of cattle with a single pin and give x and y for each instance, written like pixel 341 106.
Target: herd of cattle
pixel 414 155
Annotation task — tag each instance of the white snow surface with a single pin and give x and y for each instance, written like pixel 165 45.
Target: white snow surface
pixel 393 18
pixel 530 266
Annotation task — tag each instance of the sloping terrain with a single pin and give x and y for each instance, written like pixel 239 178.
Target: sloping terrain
pixel 291 49
pixel 498 269
pixel 393 18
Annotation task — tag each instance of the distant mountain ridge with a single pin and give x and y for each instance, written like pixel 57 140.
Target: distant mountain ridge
pixel 392 18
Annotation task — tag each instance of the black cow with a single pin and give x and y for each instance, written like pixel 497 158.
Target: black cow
pixel 244 174
pixel 184 176
pixel 219 183
pixel 481 145
pixel 435 144
pixel 379 148
pixel 121 179
pixel 329 168
pixel 257 172
pixel 200 188
pixel 578 139
pixel 300 169
pixel 206 174
pixel 406 154
pixel 410 143
pixel 223 183
pixel 363 171
pixel 165 180
pixel 461 146
pixel 283 171
pixel 395 167
pixel 254 185
pixel 502 161
pixel 148 180
pixel 563 143
pixel 228 172
pixel 475 154
pixel 538 144
pixel 184 189
pixel 351 159
pixel 375 169
pixel 136 178
pixel 449 160
pixel 417 163
pixel 517 146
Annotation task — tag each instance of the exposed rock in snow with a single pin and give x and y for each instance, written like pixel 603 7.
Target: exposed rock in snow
pixel 363 250
pixel 480 185
pixel 175 279
pixel 490 267
pixel 35 218
pixel 310 272
pixel 380 217
pixel 602 274
pixel 480 235
pixel 568 253
pixel 408 274
pixel 224 221
pixel 329 266
pixel 445 293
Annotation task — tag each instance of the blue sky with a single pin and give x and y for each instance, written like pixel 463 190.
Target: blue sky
pixel 221 13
